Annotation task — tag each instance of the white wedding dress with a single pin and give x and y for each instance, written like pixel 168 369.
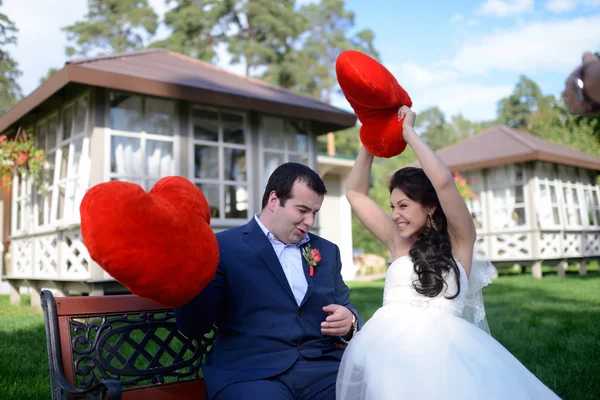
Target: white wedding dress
pixel 416 347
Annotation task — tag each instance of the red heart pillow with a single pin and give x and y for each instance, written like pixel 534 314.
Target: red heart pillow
pixel 375 95
pixel 158 244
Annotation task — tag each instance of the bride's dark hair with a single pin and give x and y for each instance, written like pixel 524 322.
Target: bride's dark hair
pixel 431 252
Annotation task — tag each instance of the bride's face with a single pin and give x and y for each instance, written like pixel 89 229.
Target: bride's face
pixel 410 217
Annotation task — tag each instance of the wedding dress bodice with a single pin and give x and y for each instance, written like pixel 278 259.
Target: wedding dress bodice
pixel 399 290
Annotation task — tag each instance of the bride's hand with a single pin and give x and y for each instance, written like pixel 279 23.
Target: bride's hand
pixel 408 115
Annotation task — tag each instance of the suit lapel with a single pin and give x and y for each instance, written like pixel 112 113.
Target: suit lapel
pixel 309 279
pixel 256 239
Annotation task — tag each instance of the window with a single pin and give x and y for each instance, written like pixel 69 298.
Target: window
pixel 475 180
pixel 220 154
pixel 64 137
pixel 142 144
pixel 507 184
pixel 548 196
pixel 47 133
pixel 571 196
pixel 593 207
pixel 283 141
pixel 72 165
pixel 21 203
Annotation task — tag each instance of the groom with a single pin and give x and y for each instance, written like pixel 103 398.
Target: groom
pixel 281 321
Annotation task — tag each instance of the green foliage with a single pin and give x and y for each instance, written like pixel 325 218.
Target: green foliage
pixel 50 72
pixel 198 27
pixel 433 128
pixel 328 35
pixel 112 26
pixel 22 156
pixel 544 116
pixel 10 91
pixel 347 142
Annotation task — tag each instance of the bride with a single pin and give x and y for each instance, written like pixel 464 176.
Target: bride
pixel 418 345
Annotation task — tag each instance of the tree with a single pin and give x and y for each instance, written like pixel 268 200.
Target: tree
pixel 197 27
pixel 527 108
pixel 434 129
pixel 10 91
pixel 346 142
pixel 264 33
pixel 50 72
pixel 112 26
pixel 328 36
pixel 517 109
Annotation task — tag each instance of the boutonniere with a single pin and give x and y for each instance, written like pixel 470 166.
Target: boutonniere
pixel 312 257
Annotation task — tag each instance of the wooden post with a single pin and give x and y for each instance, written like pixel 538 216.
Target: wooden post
pixel 562 268
pixel 583 267
pixel 330 144
pixel 536 269
pixel 15 294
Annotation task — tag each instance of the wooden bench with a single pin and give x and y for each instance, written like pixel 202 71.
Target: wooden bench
pixel 120 347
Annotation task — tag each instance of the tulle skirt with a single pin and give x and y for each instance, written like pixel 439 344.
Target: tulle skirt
pixel 406 352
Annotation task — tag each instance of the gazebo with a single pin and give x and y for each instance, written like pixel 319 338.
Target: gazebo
pixel 536 201
pixel 141 116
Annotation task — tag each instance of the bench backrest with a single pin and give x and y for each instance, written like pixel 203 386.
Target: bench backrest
pixel 96 342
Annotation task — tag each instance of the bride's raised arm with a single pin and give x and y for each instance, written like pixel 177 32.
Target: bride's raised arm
pixel 368 212
pixel 460 223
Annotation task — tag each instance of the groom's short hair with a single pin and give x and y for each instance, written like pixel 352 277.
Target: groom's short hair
pixel 283 178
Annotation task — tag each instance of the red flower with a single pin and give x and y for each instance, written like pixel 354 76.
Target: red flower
pixel 22 158
pixel 315 255
pixel 312 257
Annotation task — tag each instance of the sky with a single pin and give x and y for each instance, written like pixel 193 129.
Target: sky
pixel 461 56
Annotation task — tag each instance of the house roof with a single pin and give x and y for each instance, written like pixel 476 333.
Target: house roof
pixel 163 73
pixel 500 145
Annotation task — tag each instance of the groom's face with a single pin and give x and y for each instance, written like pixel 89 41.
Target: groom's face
pixel 292 221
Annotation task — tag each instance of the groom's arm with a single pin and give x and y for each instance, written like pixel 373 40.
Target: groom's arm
pixel 197 317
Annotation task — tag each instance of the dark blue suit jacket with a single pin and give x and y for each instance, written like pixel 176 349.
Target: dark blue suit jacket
pixel 261 328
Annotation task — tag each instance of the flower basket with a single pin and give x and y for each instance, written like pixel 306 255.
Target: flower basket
pixel 22 156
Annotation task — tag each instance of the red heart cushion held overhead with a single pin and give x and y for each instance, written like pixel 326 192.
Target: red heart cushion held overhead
pixel 158 244
pixel 375 95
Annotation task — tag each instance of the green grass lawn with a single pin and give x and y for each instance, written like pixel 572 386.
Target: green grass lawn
pixel 551 325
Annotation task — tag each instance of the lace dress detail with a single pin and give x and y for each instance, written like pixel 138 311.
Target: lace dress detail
pixel 398 291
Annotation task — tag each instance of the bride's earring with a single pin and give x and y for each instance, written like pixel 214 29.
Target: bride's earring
pixel 433 225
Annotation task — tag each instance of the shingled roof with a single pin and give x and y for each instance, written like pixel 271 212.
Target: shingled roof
pixel 500 145
pixel 163 73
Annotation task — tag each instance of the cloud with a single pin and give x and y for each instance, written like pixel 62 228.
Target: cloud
pixel 457 18
pixel 503 8
pixel 559 6
pixel 551 46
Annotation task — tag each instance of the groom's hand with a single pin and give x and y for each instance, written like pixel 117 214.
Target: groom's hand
pixel 338 322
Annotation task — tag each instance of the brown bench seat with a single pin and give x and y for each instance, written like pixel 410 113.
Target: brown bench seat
pixel 120 347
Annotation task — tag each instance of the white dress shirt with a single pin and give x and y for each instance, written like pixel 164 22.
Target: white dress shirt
pixel 290 258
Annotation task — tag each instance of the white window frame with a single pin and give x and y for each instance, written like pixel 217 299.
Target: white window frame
pixel 145 181
pixel 21 195
pixel 552 181
pixel 71 181
pixel 71 208
pixel 594 194
pixel 570 183
pixel 221 145
pixel 49 153
pixel 511 183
